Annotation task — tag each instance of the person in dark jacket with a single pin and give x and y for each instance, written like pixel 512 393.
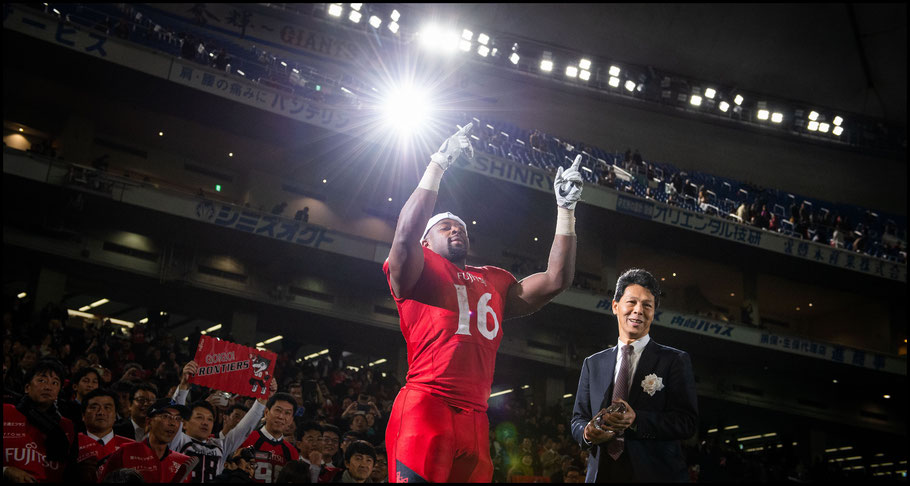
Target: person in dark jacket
pixel 239 468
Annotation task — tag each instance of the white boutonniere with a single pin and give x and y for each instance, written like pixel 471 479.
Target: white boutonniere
pixel 652 384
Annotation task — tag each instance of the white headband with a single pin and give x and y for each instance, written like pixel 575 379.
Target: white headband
pixel 439 217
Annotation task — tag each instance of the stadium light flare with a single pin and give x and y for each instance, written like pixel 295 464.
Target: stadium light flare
pixel 585 64
pixel 546 64
pixel 763 114
pixel 464 45
pixel 710 93
pixel 695 100
pixel 838 130
pixel 483 50
pixel 724 106
pixel 738 100
pixel 21 295
pixel 838 120
pixel 585 75
pixel 813 115
pixel 823 127
pixel 335 9
pixel 614 81
pixel 777 117
pixel 393 26
pixel 467 34
pixel 812 126
pixel 355 16
pixel 514 58
pixel 630 85
pixel 406 109
pixel 395 15
pixel 571 71
pixel 375 21
pixel 614 71
pixel 483 38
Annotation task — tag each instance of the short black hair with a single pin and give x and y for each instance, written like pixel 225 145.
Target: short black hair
pixel 294 472
pixel 143 385
pixel 284 397
pixel 360 447
pixel 204 404
pixel 43 367
pixel 238 406
pixel 99 392
pixel 82 372
pixel 331 428
pixel 637 276
pixel 306 427
pixel 124 386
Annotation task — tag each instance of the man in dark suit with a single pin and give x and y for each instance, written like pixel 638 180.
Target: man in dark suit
pixel 654 382
pixel 142 396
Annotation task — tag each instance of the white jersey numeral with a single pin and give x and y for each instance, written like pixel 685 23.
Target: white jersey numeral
pixel 483 309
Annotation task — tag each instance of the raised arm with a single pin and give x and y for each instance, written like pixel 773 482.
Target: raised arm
pixel 534 291
pixel 406 255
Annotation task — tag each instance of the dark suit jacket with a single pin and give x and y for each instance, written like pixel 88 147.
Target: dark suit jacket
pixel 662 421
pixel 124 427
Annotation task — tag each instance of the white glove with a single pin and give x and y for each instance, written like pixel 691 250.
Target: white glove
pixel 568 185
pixel 453 147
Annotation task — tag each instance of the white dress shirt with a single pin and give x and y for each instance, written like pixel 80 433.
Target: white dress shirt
pixel 637 348
pixel 107 438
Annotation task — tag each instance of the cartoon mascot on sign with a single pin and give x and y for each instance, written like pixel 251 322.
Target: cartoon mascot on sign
pixel 260 376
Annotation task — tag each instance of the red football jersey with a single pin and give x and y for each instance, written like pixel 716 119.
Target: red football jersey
pixel 271 455
pixel 90 448
pixel 24 446
pixel 141 457
pixel 453 326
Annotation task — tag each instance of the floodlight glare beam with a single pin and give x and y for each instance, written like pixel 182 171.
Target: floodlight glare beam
pixel 335 10
pixel 514 58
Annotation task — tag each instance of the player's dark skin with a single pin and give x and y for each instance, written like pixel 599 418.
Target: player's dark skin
pixel 448 238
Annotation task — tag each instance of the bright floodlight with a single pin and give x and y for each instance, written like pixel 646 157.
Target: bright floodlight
pixel 571 71
pixel 709 93
pixel 813 115
pixel 393 27
pixel 838 130
pixel 738 100
pixel 451 41
pixel 464 45
pixel 335 10
pixel 546 65
pixel 695 100
pixel 614 81
pixel 355 16
pixel 614 71
pixel 406 109
pixel 763 114
pixel 724 106
pixel 823 127
pixel 584 75
pixel 430 36
pixel 375 21
pixel 483 51
pixel 585 64
pixel 483 38
pixel 514 58
pixel 813 126
pixel 395 15
pixel 777 117
pixel 467 34
pixel 356 6
pixel 630 85
pixel 838 120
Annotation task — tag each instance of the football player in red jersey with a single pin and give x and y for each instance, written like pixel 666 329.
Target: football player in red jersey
pixel 451 319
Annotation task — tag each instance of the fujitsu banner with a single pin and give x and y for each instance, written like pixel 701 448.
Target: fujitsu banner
pixel 233 368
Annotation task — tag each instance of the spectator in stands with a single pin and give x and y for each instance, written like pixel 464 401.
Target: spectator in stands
pixel 99 410
pixel 84 381
pixel 534 140
pixel 152 457
pixel 39 444
pixel 239 468
pixel 358 460
pixel 294 472
pixel 380 472
pixel 134 426
pixel 273 450
pixel 195 438
pixel 16 378
pixel 331 446
pixel 235 413
pixel 309 445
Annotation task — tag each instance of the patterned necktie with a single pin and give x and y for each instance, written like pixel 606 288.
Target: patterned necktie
pixel 621 390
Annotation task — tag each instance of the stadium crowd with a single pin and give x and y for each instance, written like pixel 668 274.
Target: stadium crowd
pixel 99 402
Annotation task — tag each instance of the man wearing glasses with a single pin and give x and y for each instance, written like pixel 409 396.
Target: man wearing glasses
pixel 133 427
pixel 152 457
